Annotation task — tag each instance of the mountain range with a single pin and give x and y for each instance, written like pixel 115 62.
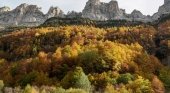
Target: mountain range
pixel 31 15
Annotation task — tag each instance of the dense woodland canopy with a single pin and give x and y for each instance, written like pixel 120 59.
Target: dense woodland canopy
pixel 86 58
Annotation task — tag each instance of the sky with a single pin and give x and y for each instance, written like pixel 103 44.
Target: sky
pixel 147 7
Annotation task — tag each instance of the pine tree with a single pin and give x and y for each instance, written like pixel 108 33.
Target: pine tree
pixel 76 79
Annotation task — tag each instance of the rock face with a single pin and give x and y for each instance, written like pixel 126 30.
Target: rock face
pixel 31 15
pixel 22 15
pixel 138 16
pixel 73 14
pixel 54 12
pixel 164 9
pixel 97 10
pixel 4 9
pixel 27 15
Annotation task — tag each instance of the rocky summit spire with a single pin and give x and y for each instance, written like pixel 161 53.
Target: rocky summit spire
pixel 4 9
pixel 55 12
pixel 136 15
pixel 97 10
pixel 94 1
pixel 164 9
pixel 27 15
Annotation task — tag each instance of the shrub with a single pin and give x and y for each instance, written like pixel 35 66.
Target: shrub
pixel 157 85
pixel 140 85
pixel 14 69
pixel 124 89
pixel 164 76
pixel 125 78
pixel 28 78
pixel 42 56
pixel 1 85
pixel 71 90
pixel 42 79
pixel 29 89
pixel 103 79
pixel 110 89
pixel 75 91
pixel 148 65
pixel 59 90
pixel 91 61
pixel 76 79
pixel 2 61
pixel 36 78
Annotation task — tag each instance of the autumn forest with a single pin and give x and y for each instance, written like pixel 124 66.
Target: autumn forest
pixel 84 56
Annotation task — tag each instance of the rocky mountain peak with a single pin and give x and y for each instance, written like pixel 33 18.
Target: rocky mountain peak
pixel 97 10
pixel 136 11
pixel 27 15
pixel 4 9
pixel 164 9
pixel 25 8
pixel 113 2
pixel 94 2
pixel 137 14
pixel 113 8
pixel 55 12
pixel 33 8
pixel 21 7
pixel 32 14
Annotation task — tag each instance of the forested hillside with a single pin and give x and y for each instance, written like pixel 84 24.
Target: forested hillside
pixel 86 56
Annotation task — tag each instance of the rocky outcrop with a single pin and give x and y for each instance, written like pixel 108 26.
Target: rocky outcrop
pixel 164 9
pixel 97 10
pixel 22 15
pixel 31 15
pixel 54 12
pixel 27 15
pixel 73 14
pixel 4 9
pixel 138 16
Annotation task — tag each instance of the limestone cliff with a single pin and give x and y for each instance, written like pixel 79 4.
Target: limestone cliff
pixel 27 15
pixel 164 9
pixel 97 10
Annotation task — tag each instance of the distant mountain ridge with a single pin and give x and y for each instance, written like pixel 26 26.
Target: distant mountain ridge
pixel 27 15
pixel 31 15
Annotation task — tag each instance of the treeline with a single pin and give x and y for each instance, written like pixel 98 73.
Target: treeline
pixel 53 22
